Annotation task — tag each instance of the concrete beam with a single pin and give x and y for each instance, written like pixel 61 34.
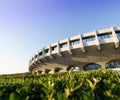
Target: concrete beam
pixel 70 52
pixel 52 57
pixel 115 38
pixel 83 50
pixel 60 54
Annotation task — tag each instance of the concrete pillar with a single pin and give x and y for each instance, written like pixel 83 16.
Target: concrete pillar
pixel 58 48
pixel 65 69
pixel 115 38
pixel 97 40
pixel 81 43
pixel 38 57
pixel 69 47
pixel 50 51
pixel 51 71
pixel 43 72
pixel 102 64
pixel 68 42
pixel 34 60
pixel 43 53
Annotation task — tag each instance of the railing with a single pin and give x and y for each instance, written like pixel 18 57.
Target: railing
pixel 75 42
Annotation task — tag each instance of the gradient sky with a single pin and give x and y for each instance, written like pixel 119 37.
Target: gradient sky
pixel 27 26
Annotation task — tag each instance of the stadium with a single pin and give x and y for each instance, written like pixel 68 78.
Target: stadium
pixel 88 51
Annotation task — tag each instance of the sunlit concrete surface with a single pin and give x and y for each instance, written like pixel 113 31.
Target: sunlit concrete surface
pixel 93 50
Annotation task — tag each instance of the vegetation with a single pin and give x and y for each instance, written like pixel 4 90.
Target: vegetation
pixel 88 85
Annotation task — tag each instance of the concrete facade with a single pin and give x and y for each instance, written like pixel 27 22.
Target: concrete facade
pixel 78 52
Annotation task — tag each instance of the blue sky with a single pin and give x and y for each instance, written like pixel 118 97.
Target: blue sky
pixel 27 26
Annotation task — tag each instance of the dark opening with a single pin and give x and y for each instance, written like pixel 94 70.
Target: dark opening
pixel 92 66
pixel 114 64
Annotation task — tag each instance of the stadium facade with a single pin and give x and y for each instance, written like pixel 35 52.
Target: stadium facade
pixel 93 50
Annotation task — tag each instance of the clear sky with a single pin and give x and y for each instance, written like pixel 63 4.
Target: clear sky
pixel 27 26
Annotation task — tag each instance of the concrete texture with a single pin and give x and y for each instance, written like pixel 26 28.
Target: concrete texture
pixel 75 53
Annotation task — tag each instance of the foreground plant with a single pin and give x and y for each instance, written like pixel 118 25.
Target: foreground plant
pixel 90 85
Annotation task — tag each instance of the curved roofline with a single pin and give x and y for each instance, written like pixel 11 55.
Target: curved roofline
pixel 95 38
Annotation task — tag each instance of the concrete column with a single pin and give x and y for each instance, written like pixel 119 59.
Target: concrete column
pixel 81 43
pixel 69 47
pixel 37 72
pixel 97 40
pixel 43 53
pixel 49 50
pixel 58 48
pixel 38 57
pixel 43 72
pixel 34 59
pixel 102 64
pixel 68 42
pixel 115 38
pixel 65 68
pixel 51 71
